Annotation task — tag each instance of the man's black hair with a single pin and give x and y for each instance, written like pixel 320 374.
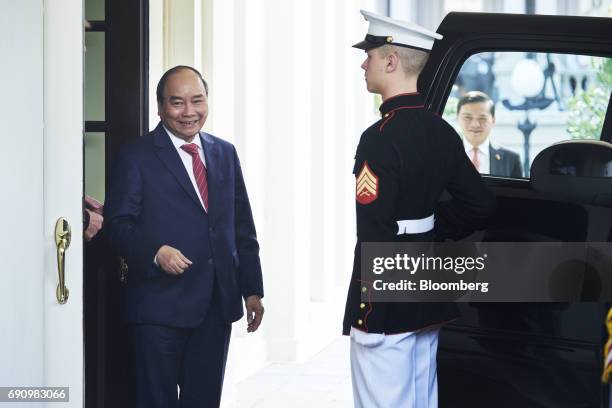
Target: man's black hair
pixel 476 97
pixel 162 81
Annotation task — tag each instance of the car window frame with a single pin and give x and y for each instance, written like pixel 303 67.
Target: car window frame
pixel 446 62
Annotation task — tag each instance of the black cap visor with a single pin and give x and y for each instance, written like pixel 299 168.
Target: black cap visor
pixel 371 41
pixel 374 41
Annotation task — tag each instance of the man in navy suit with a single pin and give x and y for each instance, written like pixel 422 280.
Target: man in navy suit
pixel 476 115
pixel 177 211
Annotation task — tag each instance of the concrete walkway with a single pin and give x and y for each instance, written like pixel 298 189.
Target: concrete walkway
pixel 323 381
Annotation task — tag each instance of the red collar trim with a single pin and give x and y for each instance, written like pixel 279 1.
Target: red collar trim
pixel 402 94
pixel 406 107
pixel 405 100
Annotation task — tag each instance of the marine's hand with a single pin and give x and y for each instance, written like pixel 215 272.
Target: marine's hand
pixel 255 311
pixel 171 260
pixel 95 225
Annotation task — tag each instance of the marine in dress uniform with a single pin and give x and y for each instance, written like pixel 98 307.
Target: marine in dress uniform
pixel 403 164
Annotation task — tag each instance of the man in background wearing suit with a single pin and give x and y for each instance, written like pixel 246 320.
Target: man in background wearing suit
pixel 177 210
pixel 476 115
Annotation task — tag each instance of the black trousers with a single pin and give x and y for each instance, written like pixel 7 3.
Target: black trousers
pixel 194 359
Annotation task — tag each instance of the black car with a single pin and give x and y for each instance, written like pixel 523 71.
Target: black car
pixel 532 354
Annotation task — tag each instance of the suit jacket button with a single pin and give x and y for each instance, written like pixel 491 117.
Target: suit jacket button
pixel 360 322
pixel 362 306
pixel 364 289
pixel 210 261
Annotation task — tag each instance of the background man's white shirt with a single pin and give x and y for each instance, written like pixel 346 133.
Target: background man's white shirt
pixel 483 155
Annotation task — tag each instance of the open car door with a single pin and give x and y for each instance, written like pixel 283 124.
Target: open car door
pixel 528 354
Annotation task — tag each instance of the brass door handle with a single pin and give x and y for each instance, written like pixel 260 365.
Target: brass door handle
pixel 62 242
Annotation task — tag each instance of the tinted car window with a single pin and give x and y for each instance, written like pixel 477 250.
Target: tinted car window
pixel 536 99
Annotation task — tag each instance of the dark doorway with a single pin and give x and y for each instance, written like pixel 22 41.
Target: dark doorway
pixel 115 110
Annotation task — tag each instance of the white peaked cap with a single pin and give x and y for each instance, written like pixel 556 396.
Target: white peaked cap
pixel 385 30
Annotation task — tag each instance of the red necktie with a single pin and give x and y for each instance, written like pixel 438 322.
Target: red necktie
pixel 199 171
pixel 475 159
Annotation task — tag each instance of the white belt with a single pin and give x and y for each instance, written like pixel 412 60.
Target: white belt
pixel 415 226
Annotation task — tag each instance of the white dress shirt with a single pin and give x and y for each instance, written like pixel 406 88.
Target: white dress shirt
pixel 187 160
pixel 483 155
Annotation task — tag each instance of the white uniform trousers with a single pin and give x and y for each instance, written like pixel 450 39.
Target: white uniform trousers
pixel 394 370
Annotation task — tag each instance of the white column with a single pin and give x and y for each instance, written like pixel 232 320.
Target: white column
pixel 250 133
pixel 403 10
pixel 493 6
pixel 330 231
pixel 207 19
pixel 546 7
pixel 232 33
pixel 279 201
pixel 319 275
pixel 430 13
pixel 301 113
pixel 175 38
pixel 181 23
pixel 513 6
pixel 222 82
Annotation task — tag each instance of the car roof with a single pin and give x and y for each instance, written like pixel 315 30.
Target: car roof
pixel 466 34
pixel 464 24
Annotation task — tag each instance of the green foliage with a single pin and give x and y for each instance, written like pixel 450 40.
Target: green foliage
pixel 604 75
pixel 587 109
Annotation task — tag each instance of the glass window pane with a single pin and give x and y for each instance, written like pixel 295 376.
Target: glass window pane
pixel 95 97
pixel 95 168
pixel 94 10
pixel 515 104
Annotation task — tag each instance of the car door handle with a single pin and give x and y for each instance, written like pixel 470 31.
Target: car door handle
pixel 62 242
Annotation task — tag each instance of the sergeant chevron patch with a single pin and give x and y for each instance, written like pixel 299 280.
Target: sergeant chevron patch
pixel 367 185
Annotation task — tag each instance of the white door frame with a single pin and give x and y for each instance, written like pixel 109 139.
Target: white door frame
pixel 41 162
pixel 63 192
